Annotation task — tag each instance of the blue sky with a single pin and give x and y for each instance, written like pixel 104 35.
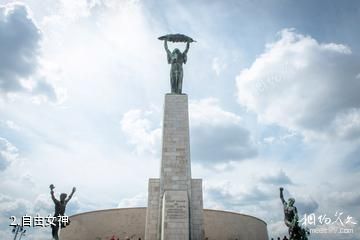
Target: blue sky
pixel 273 89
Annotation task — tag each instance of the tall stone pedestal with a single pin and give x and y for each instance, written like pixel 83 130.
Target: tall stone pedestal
pixel 175 203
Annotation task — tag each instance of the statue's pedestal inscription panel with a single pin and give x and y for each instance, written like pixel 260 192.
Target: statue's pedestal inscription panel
pixel 175 216
pixel 176 209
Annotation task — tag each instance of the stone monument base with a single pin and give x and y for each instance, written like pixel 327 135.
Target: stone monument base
pixel 195 205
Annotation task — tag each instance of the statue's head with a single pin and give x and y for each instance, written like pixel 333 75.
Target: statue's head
pixel 176 51
pixel 63 196
pixel 291 201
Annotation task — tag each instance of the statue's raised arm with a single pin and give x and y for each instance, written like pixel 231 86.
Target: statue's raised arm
pixel 52 194
pixel 168 53
pixel 187 48
pixel 71 194
pixel 185 52
pixel 282 196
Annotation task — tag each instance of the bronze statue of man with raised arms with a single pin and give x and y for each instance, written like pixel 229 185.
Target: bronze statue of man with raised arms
pixel 60 206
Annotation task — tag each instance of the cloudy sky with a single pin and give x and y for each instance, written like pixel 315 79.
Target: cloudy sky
pixel 274 89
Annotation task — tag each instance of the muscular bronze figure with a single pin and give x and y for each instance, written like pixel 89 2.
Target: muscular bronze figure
pixel 60 207
pixel 291 219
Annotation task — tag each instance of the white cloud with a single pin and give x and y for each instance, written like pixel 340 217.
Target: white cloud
pixel 8 153
pixel 11 207
pixel 279 179
pixel 302 85
pixel 140 200
pixel 140 131
pixel 347 123
pixel 218 66
pixel 114 50
pixel 43 205
pixel 72 10
pixel 347 198
pixel 20 40
pixel 269 140
pixel 208 111
pixel 10 124
pixel 254 200
pixel 218 136
pixel 15 207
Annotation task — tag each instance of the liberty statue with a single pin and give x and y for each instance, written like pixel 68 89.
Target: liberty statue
pixel 176 58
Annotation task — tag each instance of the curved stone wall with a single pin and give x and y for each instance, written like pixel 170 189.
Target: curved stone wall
pixel 130 222
pixel 103 224
pixel 222 225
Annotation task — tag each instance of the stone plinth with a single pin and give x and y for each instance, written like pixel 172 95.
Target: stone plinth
pixel 175 183
pixel 175 159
